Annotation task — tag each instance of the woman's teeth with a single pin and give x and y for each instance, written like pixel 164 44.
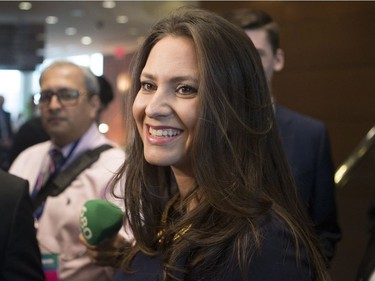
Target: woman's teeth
pixel 164 133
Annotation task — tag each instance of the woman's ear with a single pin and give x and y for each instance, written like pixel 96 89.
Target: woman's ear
pixel 279 60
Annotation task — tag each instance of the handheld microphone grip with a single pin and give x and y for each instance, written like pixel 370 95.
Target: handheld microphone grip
pixel 99 220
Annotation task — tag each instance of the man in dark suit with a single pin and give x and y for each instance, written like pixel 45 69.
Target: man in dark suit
pixel 19 252
pixel 6 134
pixel 307 146
pixel 305 139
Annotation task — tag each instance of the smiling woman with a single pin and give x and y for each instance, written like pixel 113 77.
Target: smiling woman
pixel 208 192
pixel 166 106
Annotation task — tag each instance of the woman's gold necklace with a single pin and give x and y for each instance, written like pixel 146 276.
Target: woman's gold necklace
pixel 164 218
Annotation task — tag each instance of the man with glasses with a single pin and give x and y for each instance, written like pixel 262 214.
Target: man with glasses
pixel 32 132
pixel 69 103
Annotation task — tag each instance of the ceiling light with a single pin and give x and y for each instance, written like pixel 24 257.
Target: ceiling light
pixel 86 40
pixel 103 128
pixel 71 31
pixel 25 6
pixel 51 20
pixel 108 4
pixel 122 19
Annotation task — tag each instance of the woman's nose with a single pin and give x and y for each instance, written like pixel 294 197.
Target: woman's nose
pixel 158 105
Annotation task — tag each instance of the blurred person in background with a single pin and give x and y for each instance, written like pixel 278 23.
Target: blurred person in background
pixel 6 135
pixel 305 140
pixel 33 132
pixel 69 104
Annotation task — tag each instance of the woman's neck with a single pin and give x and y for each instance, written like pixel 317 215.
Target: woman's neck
pixel 185 182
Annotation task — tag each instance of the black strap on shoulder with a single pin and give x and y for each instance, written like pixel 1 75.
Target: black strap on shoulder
pixel 54 186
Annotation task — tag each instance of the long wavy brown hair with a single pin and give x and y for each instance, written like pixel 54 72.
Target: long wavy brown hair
pixel 238 162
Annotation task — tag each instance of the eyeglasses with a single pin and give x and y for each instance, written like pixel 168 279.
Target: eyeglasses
pixel 66 96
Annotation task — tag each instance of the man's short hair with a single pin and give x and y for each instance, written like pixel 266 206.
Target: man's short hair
pixel 251 19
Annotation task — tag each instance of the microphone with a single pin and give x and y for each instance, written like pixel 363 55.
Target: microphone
pixel 99 220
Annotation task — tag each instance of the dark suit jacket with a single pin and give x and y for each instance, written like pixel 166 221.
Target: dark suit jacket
pixel 307 147
pixel 8 123
pixel 19 252
pixel 4 146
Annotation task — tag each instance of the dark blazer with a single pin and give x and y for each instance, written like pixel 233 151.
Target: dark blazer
pixel 8 123
pixel 6 135
pixel 19 252
pixel 306 144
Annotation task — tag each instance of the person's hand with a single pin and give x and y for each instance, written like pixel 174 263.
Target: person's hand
pixel 107 253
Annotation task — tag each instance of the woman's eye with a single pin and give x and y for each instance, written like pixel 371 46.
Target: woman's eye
pixel 186 90
pixel 147 86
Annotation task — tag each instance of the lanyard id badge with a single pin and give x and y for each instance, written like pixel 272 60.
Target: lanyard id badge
pixel 50 264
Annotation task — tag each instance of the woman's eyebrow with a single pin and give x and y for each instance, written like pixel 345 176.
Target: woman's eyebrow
pixel 173 79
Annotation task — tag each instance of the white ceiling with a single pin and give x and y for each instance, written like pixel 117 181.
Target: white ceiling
pixel 90 19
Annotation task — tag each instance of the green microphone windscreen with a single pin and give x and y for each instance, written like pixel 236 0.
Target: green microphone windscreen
pixel 100 219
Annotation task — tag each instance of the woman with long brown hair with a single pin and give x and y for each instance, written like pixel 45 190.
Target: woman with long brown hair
pixel 208 192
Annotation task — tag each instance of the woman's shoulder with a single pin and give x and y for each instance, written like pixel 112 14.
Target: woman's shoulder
pixel 273 228
pixel 145 268
pixel 280 256
pixel 276 259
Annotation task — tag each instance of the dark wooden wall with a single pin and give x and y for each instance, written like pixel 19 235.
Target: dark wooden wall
pixel 330 75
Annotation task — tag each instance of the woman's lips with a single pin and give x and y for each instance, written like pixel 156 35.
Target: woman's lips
pixel 162 135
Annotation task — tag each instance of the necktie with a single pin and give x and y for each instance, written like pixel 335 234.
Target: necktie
pixel 57 159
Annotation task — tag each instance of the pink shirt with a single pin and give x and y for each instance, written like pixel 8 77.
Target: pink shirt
pixel 58 227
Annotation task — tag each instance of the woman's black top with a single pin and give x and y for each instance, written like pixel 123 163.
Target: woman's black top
pixel 276 260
